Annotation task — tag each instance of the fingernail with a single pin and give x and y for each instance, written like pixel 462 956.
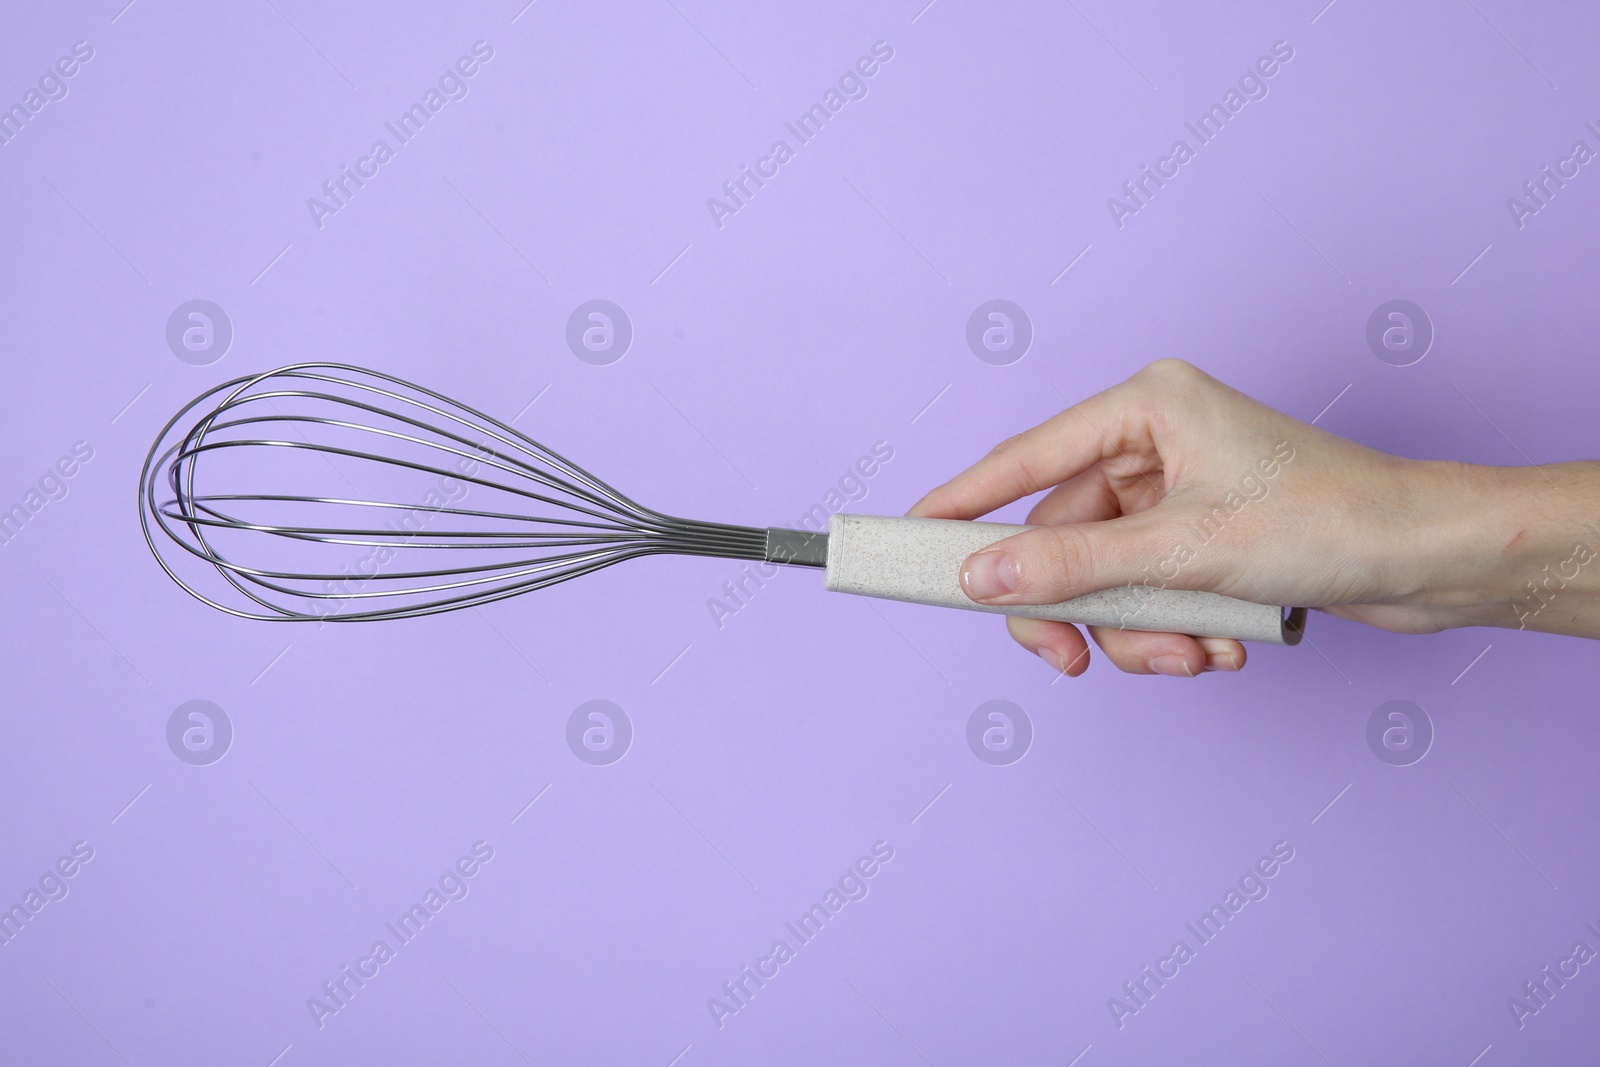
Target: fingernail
pixel 989 574
pixel 1171 666
pixel 1221 655
pixel 1052 657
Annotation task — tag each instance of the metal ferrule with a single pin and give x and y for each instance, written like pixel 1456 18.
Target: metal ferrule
pixel 799 548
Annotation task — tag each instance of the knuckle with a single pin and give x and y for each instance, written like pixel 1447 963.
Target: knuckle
pixel 1170 369
pixel 1173 384
pixel 1006 447
pixel 1017 465
pixel 1063 558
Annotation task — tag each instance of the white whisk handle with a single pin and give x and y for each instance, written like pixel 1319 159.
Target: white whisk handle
pixel 919 561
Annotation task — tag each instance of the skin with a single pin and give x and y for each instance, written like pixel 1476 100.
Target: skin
pixel 1409 546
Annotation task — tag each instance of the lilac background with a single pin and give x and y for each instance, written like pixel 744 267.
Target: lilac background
pixel 768 356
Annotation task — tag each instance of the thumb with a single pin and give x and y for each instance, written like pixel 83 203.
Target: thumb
pixel 1048 564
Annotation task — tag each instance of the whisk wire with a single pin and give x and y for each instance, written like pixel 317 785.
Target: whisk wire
pixel 281 562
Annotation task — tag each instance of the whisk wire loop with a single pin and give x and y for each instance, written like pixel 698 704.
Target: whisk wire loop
pixel 274 525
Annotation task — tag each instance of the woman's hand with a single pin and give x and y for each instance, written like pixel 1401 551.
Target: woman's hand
pixel 1173 479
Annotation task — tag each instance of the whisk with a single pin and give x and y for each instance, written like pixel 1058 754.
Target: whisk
pixel 327 492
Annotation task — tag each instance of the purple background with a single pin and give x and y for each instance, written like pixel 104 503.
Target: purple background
pixel 769 355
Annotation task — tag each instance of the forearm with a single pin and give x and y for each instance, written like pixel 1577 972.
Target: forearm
pixel 1514 547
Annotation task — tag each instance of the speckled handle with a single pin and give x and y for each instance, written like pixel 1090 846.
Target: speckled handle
pixel 919 560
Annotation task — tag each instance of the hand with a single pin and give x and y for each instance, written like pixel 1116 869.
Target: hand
pixel 1176 480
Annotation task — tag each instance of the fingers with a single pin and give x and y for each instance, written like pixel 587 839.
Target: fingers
pixel 1110 463
pixel 1059 448
pixel 1087 498
pixel 1134 652
pixel 1063 647
pixel 1174 655
pixel 1050 564
pixel 1223 653
pixel 1059 644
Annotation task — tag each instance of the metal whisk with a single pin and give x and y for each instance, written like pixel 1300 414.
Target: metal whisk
pixel 324 491
pixel 330 492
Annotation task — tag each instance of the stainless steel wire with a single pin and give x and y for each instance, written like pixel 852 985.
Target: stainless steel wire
pixel 330 492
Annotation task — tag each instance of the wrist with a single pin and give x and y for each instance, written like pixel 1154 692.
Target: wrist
pixel 1514 547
